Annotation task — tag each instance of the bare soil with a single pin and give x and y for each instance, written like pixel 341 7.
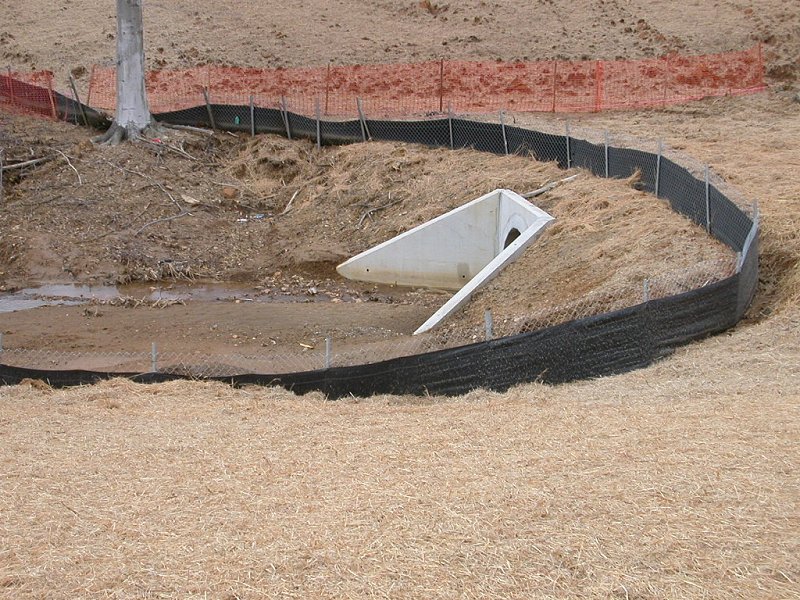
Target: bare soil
pixel 279 215
pixel 38 35
pixel 679 480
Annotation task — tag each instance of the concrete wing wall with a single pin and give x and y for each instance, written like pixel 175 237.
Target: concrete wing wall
pixel 445 252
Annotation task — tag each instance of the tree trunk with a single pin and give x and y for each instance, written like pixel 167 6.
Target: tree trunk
pixel 133 113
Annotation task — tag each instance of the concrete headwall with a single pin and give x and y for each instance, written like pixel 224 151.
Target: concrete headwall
pixel 460 250
pixel 450 250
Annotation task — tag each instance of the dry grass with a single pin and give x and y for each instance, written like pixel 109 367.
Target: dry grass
pixel 607 239
pixel 672 482
pixel 677 481
pixel 751 142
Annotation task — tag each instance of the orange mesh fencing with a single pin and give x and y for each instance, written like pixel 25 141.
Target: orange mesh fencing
pixel 28 93
pixel 392 90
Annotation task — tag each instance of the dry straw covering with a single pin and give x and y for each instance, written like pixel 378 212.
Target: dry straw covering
pixel 671 482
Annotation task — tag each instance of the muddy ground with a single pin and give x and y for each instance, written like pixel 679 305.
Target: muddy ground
pixel 675 481
pixel 276 216
pixel 269 214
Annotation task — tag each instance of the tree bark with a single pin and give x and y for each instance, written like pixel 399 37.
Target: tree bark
pixel 133 114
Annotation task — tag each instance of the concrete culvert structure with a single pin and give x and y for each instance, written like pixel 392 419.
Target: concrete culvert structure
pixel 462 250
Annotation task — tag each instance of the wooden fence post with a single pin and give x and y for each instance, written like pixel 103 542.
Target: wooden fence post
pixel 78 100
pixel 208 108
pixel 252 116
pixel 52 99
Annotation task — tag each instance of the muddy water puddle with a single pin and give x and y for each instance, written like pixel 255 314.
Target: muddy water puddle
pixel 66 294
pixel 70 294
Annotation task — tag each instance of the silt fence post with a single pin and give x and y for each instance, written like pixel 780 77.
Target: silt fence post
pixel 328 352
pixel 319 127
pixel 285 115
pixel 658 166
pixel 566 137
pixel 708 204
pixel 441 86
pixel 362 119
pixel 503 128
pixel 208 108
pixel 78 101
pixel 327 87
pixel 252 117
pixel 450 122
pixel 11 86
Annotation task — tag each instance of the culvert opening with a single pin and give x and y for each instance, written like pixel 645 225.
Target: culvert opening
pixel 512 235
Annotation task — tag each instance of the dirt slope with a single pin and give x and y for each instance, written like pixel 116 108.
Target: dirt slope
pixel 676 481
pixel 273 213
pixel 80 33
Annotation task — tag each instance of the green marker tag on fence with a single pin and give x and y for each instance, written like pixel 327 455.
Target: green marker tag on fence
pixel 236 120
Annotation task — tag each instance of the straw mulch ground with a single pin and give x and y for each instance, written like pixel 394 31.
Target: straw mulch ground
pixel 671 482
pixel 677 481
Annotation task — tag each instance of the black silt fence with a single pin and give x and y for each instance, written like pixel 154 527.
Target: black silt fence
pixel 78 113
pixel 432 133
pixel 595 346
pixel 544 147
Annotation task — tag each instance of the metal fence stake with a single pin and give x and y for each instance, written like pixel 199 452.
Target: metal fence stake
pixel 708 205
pixel 319 128
pixel 569 159
pixel 154 358
pixel 208 108
pixel 488 323
pixel 78 100
pixel 441 85
pixel 503 128
pixel 1 341
pixel 658 165
pixel 605 142
pixel 1 176
pixel 646 291
pixel 327 87
pixel 11 86
pixel 450 122
pixel 364 130
pixel 285 115
pixel 252 117
pixel 328 352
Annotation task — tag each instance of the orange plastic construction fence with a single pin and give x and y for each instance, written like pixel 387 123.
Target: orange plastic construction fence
pixel 465 87
pixel 28 93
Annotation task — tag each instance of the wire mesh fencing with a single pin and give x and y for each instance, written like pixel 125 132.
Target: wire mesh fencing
pixel 28 93
pixel 54 359
pixel 690 187
pixel 499 322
